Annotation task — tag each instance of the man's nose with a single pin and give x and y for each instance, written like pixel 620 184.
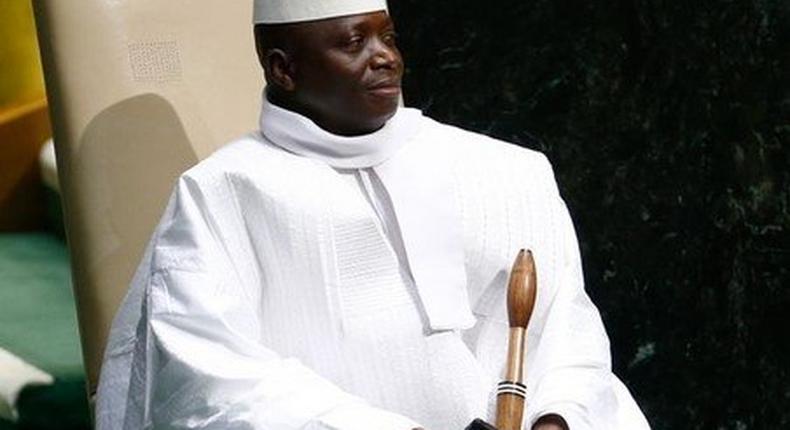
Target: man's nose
pixel 384 55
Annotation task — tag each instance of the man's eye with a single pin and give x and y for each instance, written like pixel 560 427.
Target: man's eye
pixel 354 43
pixel 390 37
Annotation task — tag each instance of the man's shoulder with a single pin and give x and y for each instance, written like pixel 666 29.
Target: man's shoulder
pixel 247 155
pixel 478 148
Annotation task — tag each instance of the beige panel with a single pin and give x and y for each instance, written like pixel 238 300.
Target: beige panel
pixel 139 90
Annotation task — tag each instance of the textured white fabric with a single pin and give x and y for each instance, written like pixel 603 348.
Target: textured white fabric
pixel 285 11
pixel 373 191
pixel 421 192
pixel 270 297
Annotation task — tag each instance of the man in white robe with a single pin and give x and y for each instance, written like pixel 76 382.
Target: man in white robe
pixel 345 267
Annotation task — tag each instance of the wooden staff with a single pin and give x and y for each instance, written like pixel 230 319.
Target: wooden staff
pixel 512 392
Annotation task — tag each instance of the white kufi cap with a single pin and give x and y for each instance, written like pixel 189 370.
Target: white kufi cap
pixel 286 11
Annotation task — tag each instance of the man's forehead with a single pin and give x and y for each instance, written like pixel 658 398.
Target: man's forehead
pixel 299 11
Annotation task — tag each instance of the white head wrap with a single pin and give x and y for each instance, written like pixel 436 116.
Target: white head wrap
pixel 286 11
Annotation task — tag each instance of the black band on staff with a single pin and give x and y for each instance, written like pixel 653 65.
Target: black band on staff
pixel 517 385
pixel 515 388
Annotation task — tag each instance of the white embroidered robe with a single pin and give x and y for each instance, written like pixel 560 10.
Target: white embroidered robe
pixel 270 298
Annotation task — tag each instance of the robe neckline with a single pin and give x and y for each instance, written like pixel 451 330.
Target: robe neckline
pixel 300 135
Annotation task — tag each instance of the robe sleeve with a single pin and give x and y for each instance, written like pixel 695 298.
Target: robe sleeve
pixel 205 367
pixel 571 363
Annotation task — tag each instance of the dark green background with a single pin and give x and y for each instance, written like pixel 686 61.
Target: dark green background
pixel 668 124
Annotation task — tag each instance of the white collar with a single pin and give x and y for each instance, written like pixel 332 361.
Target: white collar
pixel 300 135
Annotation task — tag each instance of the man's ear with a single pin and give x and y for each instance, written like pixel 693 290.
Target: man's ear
pixel 279 69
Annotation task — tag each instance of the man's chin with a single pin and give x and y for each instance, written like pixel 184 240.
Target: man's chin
pixel 384 117
pixel 370 118
pixel 384 110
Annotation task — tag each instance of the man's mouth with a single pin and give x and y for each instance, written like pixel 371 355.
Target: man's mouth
pixel 385 89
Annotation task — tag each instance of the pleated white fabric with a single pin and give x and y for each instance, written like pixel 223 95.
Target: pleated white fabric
pixel 272 296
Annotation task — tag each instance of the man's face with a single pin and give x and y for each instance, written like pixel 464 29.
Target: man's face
pixel 348 72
